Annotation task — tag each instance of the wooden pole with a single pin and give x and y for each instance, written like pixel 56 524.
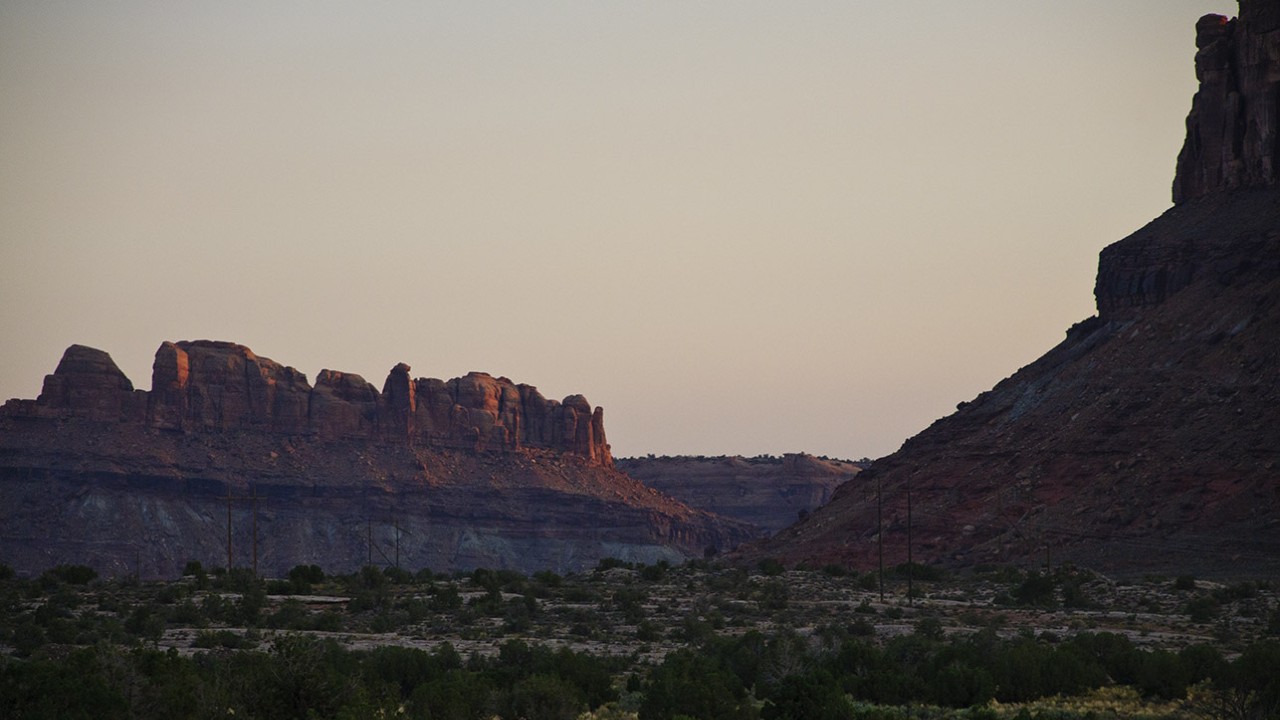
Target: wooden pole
pixel 880 533
pixel 910 600
pixel 255 531
pixel 228 531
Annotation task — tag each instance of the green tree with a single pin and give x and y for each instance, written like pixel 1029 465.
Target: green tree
pixel 689 683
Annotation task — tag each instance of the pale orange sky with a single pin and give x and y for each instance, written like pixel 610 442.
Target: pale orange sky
pixel 741 227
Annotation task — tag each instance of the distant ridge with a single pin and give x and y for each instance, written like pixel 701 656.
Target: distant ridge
pixel 769 493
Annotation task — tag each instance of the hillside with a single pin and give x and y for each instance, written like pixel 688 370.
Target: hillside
pixel 1149 439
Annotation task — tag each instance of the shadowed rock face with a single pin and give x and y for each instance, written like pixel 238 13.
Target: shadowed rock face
pixel 1235 117
pixel 768 493
pixel 475 471
pixel 1149 439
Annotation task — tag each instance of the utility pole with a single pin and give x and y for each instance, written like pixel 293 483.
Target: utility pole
pixel 880 533
pixel 910 599
pixel 254 497
pixel 228 499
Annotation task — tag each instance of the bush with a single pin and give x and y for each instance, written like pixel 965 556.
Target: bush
pixel 1202 609
pixel 647 631
pixel 306 574
pixel 1036 589
pixel 209 639
pixel 73 574
pixel 548 578
pixel 398 576
pixel 928 573
pixel 771 567
pixel 1184 582
pixel 654 573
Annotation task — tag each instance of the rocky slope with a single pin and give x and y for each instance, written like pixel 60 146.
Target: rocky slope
pixel 1149 439
pixel 768 493
pixel 475 471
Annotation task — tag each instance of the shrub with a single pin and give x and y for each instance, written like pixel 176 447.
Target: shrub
pixel 656 572
pixel 1202 609
pixel 771 567
pixel 928 573
pixel 306 574
pixel 398 576
pixel 73 574
pixel 548 578
pixel 1037 589
pixel 647 631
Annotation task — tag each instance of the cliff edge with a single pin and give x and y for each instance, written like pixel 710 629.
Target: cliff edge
pixel 1149 439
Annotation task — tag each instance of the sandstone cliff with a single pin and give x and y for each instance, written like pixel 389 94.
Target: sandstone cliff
pixel 206 386
pixel 1232 127
pixel 767 493
pixel 474 471
pixel 1149 439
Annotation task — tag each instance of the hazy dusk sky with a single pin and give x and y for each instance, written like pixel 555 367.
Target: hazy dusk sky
pixel 741 227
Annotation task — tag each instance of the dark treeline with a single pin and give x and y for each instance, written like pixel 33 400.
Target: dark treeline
pixel 783 676
pixel 78 648
pixel 306 677
pixel 787 677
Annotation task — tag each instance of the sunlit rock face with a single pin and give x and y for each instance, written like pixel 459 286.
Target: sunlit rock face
pixel 1148 440
pixel 211 386
pixel 1233 124
pixel 474 471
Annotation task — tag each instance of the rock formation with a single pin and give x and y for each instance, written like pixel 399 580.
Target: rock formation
pixel 207 386
pixel 474 471
pixel 1149 439
pixel 1231 130
pixel 767 493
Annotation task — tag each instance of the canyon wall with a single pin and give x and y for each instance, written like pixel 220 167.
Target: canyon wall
pixel 232 449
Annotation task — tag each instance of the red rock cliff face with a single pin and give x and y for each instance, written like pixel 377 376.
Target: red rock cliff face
pixel 206 386
pixel 476 471
pixel 1235 116
pixel 1149 439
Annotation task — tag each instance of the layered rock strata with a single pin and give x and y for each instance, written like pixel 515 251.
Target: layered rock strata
pixel 207 386
pixel 1149 439
pixel 1232 127
pixel 767 493
pixel 475 471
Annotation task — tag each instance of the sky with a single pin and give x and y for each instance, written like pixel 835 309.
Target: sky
pixel 740 227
